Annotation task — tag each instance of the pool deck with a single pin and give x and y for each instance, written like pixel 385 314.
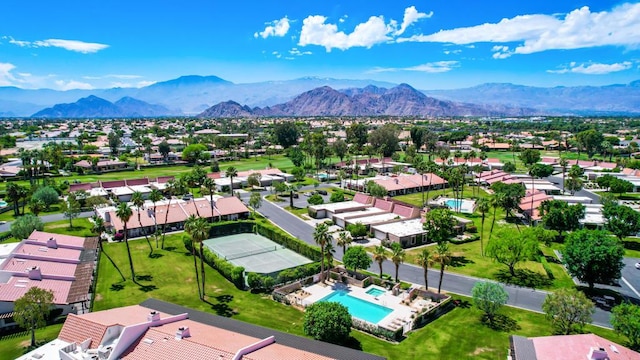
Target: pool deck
pixel 400 314
pixel 467 206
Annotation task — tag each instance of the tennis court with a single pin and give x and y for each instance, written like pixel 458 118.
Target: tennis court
pixel 255 253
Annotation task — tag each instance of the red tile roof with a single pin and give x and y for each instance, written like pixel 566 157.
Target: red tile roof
pixel 132 182
pixel 577 347
pixel 230 205
pixel 16 287
pixel 113 184
pixel 78 329
pixel 78 187
pixel 164 179
pixel 30 251
pixel 384 205
pixel 61 240
pixel 54 268
pixel 362 198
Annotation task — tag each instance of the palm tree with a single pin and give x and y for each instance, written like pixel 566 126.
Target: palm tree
pixel 124 213
pixel 442 257
pixel 495 201
pixel 198 228
pixel 155 196
pixel 231 173
pixel 173 187
pixel 344 239
pixel 483 206
pixel 379 256
pixel 563 162
pixel 329 250
pixel 424 260
pixel 210 185
pixel 36 206
pixel 321 236
pixel 98 229
pixel 397 256
pixel 138 202
pixel 422 169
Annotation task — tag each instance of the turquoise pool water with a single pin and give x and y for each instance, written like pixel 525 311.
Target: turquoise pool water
pixel 375 292
pixel 360 309
pixel 3 203
pixel 453 203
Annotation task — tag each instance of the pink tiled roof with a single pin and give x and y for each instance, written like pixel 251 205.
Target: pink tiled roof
pixel 30 251
pixel 62 240
pixel 362 198
pixel 133 182
pixel 17 286
pixel 21 266
pixel 276 352
pixel 176 213
pixel 78 187
pixel 402 210
pixel 163 345
pixel 557 347
pixel 261 172
pixel 77 329
pixel 215 175
pixel 164 179
pixel 202 205
pixel 83 164
pixel 126 315
pixel 113 184
pixel 392 184
pixel 492 161
pixel 384 205
pixel 230 205
pixel 133 222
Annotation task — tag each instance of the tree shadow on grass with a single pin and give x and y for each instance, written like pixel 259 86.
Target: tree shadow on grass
pixel 147 288
pixel 116 287
pixel 170 248
pixel 459 261
pixel 631 245
pixel 352 343
pixel 524 278
pixel 501 323
pixel 462 303
pixel 144 277
pixel 222 307
pixel 155 256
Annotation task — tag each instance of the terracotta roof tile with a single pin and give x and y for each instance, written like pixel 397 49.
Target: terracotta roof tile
pixel 78 329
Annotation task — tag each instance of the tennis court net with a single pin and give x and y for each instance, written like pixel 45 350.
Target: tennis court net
pixel 251 252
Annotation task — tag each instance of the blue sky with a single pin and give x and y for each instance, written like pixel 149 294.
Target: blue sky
pixel 434 44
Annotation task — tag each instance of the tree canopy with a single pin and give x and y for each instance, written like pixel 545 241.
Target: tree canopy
pixel 23 226
pixel 568 310
pixel 621 220
pixel 327 321
pixel 356 258
pixel 385 139
pixel 193 153
pixel 32 309
pixel 489 297
pixel 509 195
pixel 286 133
pixel 439 225
pixel 511 247
pixel 626 321
pixel 593 256
pixel 560 216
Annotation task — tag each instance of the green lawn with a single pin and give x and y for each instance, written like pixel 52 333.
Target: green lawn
pixel 631 247
pixel 416 198
pixel 15 345
pixel 8 216
pixel 81 227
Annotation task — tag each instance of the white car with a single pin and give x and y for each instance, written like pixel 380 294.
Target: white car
pixel 638 265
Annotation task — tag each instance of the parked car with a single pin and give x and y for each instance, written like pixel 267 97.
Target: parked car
pixel 638 265
pixel 322 192
pixel 307 194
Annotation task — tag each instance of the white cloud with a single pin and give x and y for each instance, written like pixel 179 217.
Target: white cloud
pixel 71 45
pixel 316 31
pixel 72 84
pixel 593 69
pixel 139 84
pixel 112 76
pixel 297 52
pixel 432 67
pixel 6 78
pixel 580 28
pixel 411 15
pixel 275 28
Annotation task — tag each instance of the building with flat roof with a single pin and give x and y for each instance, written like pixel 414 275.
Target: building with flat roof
pixel 159 330
pixel 407 233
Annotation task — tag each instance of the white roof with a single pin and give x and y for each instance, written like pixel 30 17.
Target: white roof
pixel 364 212
pixel 7 249
pixel 49 351
pixel 122 190
pixel 141 188
pixel 339 206
pixel 374 219
pixel 535 186
pixel 98 191
pixel 402 228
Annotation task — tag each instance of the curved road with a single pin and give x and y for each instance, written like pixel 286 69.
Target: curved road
pixel 520 297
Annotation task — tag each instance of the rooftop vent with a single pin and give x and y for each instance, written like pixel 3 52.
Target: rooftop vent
pixel 52 243
pixel 153 316
pixel 34 273
pixel 183 332
pixel 597 354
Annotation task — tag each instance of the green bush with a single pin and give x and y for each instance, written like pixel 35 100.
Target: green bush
pixel 315 199
pixel 226 269
pixel 357 230
pixel 546 267
pixel 337 196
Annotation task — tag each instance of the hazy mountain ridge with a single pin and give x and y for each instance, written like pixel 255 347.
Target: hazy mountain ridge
pixel 95 107
pixel 402 100
pixel 190 95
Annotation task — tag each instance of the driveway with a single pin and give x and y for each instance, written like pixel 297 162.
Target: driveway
pixel 595 199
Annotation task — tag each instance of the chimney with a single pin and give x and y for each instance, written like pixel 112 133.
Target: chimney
pixel 597 354
pixel 183 332
pixel 52 243
pixel 397 181
pixel 153 316
pixel 34 273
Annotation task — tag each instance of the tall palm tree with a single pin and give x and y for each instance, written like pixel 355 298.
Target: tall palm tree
pixel 425 259
pixel 155 196
pixel 442 257
pixel 210 185
pixel 495 201
pixel 563 162
pixel 231 173
pixel 344 239
pixel 138 202
pixel 198 228
pixel 329 250
pixel 379 256
pixel 321 236
pixel 397 256
pixel 124 213
pixel 482 206
pixel 98 228
pixel 173 188
pixel 422 170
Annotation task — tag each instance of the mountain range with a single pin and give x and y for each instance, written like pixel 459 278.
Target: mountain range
pixel 191 95
pixel 95 107
pixel 402 100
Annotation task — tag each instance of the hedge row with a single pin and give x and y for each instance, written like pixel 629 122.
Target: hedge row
pixel 298 272
pixel 233 273
pixel 546 267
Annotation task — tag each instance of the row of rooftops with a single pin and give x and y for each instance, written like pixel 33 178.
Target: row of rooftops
pixel 49 261
pixel 400 182
pixel 176 211
pixel 160 330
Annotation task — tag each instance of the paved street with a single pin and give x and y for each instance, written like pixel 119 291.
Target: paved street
pixel 557 179
pixel 525 298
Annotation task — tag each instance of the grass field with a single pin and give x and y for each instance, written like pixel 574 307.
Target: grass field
pixel 15 345
pixel 81 227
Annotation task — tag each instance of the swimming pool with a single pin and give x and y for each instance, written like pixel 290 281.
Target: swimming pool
pixel 375 292
pixel 3 203
pixel 358 308
pixel 453 204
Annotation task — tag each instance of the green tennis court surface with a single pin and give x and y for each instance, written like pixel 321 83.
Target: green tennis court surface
pixel 255 253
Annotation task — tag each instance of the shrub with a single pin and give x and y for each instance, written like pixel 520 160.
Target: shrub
pixel 546 267
pixel 337 196
pixel 357 230
pixel 23 226
pixel 47 195
pixel 315 199
pixel 327 321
